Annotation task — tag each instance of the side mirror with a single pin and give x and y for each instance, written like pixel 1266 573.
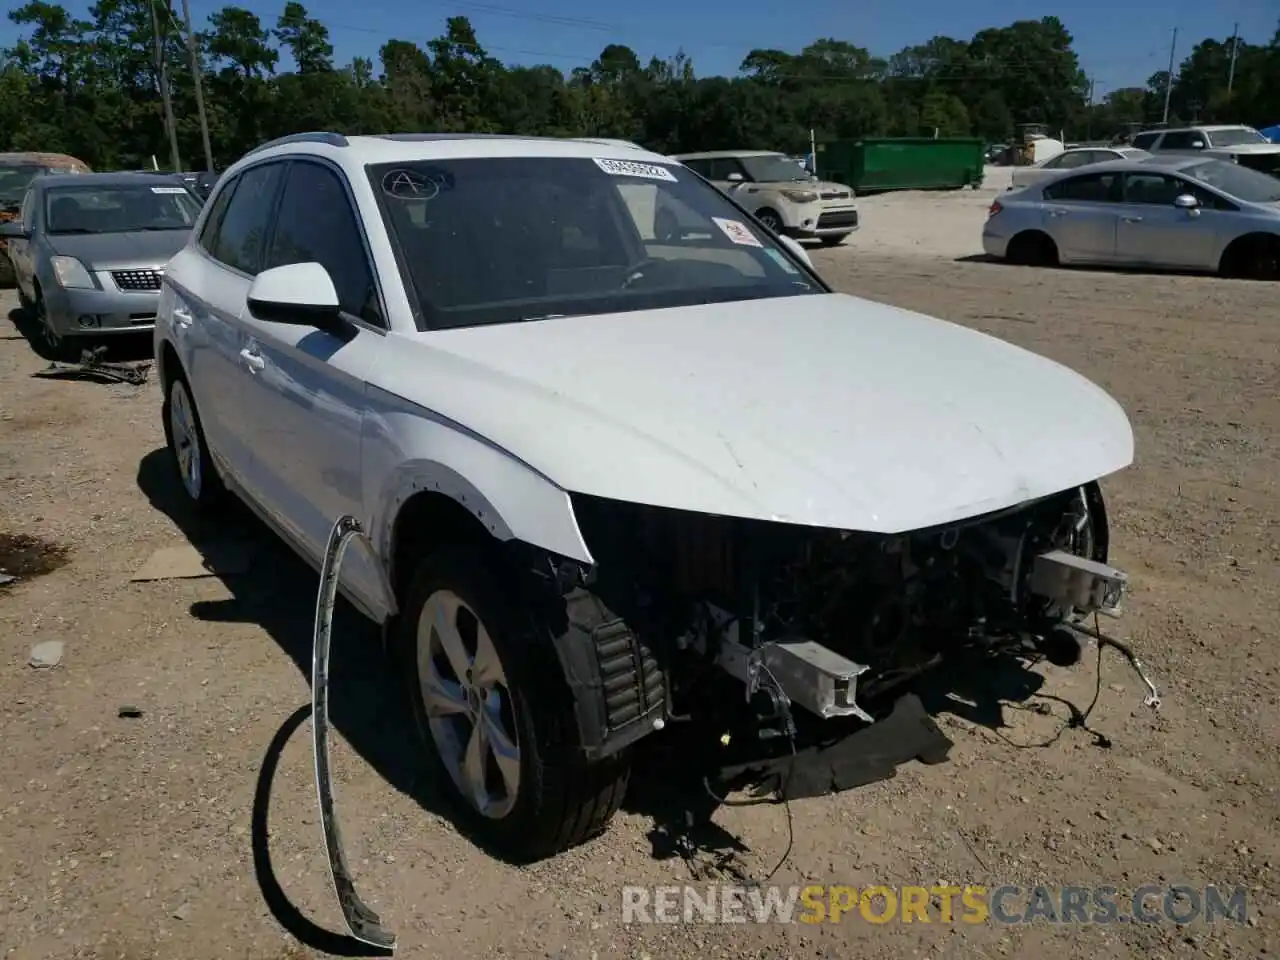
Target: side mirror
pixel 734 178
pixel 13 230
pixel 1185 201
pixel 1197 144
pixel 792 244
pixel 299 293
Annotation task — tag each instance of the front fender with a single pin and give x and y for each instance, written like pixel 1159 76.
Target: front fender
pixel 408 450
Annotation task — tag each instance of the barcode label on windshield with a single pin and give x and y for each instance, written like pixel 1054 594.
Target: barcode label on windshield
pixel 168 189
pixel 630 168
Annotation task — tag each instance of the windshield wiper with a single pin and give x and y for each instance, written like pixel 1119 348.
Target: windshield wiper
pixel 72 230
pixel 141 229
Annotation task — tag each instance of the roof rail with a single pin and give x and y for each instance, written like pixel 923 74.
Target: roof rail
pixel 315 136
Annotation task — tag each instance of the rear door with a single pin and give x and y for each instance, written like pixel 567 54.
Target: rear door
pixel 1081 213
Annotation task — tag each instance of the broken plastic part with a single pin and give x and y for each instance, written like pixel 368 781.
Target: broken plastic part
pixel 362 922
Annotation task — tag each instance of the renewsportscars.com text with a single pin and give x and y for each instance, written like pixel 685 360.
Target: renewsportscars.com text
pixel 971 904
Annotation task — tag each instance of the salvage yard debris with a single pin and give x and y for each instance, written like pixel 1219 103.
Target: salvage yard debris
pixel 47 654
pixel 92 364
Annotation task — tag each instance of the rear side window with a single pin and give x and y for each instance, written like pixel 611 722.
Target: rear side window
pixel 1089 188
pixel 1144 141
pixel 315 223
pixel 242 231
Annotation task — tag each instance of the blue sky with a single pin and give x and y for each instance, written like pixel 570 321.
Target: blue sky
pixel 1120 42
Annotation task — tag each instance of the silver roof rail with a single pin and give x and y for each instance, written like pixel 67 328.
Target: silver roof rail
pixel 317 136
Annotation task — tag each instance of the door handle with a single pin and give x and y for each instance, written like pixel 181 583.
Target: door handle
pixel 253 360
pixel 1057 213
pixel 182 317
pixel 1132 219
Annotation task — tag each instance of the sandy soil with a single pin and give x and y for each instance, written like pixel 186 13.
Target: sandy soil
pixel 152 835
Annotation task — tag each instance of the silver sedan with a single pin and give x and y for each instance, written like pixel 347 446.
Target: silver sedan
pixel 1163 212
pixel 88 252
pixel 1071 159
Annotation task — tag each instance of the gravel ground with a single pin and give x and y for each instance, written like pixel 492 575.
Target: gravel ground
pixel 151 835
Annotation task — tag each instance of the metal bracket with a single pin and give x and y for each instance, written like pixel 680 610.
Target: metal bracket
pixel 362 922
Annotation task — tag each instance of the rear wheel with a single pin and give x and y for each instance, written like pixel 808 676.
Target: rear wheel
pixel 185 437
pixel 495 713
pixel 1032 248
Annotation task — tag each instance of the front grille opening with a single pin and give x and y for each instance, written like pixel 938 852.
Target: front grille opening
pixel 136 279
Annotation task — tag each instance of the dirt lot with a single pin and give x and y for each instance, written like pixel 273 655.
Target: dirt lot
pixel 151 836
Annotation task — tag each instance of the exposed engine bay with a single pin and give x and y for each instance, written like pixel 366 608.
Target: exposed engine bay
pixel 815 610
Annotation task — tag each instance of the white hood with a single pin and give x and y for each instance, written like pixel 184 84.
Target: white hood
pixel 824 410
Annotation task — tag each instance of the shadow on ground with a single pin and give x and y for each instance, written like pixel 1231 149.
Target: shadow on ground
pixel 381 729
pixel 121 348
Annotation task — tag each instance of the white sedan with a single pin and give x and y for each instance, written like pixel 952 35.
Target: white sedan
pixel 1071 160
pixel 617 485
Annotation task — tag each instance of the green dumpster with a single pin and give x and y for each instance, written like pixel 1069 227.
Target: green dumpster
pixel 904 163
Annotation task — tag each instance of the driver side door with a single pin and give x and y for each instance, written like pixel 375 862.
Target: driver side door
pixel 309 389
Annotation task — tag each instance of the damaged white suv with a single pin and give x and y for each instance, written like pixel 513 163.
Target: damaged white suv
pixel 619 483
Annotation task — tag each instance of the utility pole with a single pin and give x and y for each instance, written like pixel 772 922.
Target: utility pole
pixel 1235 43
pixel 1168 84
pixel 1088 135
pixel 196 76
pixel 162 74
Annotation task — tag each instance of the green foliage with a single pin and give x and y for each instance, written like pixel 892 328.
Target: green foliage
pixel 90 88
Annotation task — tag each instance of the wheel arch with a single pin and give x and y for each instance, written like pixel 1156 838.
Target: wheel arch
pixel 1227 265
pixel 469 491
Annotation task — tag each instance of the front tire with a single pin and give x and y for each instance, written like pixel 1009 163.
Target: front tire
pixel 55 347
pixel 495 713
pixel 184 435
pixel 771 220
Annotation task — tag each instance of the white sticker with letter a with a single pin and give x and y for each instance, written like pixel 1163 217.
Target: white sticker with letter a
pixel 738 232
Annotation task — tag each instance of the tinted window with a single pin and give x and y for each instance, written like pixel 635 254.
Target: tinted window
pixel 315 223
pixel 243 227
pixel 14 180
pixel 1182 140
pixel 1144 141
pixel 1090 188
pixel 28 209
pixel 500 240
pixel 209 235
pixel 701 167
pixel 1150 188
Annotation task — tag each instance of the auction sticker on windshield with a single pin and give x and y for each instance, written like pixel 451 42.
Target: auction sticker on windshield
pixel 738 232
pixel 630 168
pixel 168 189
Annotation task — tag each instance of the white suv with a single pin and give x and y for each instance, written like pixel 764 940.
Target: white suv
pixel 616 478
pixel 780 193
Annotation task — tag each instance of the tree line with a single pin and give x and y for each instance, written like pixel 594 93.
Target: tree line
pixel 90 88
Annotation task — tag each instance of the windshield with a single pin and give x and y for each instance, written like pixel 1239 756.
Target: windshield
pixel 773 168
pixel 1236 181
pixel 499 240
pixel 119 208
pixel 14 181
pixel 1235 136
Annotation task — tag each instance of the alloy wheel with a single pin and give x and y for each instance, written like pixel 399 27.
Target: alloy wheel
pixel 468 705
pixel 185 439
